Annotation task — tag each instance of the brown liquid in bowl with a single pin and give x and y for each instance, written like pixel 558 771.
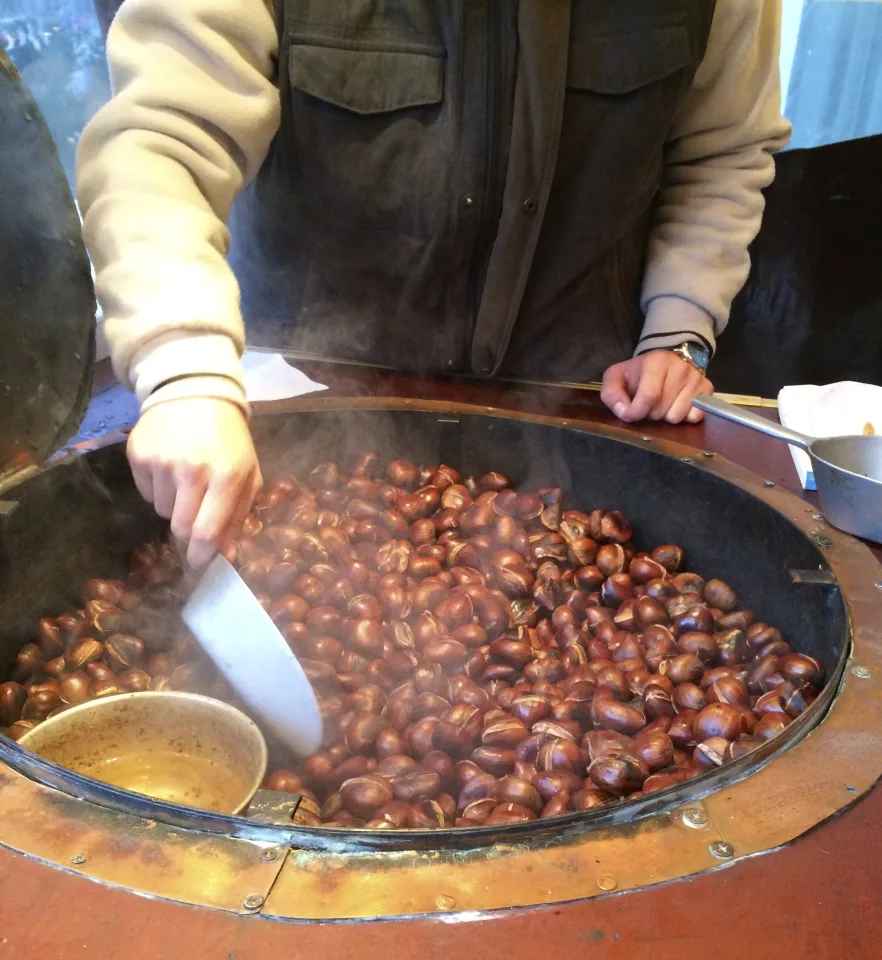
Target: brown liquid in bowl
pixel 190 780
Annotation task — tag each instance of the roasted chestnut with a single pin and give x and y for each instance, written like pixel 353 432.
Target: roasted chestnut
pixel 12 699
pixel 364 796
pixel 619 775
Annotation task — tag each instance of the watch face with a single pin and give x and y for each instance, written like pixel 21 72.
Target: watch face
pixel 700 355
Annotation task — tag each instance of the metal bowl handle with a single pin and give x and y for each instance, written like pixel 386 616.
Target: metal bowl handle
pixel 728 411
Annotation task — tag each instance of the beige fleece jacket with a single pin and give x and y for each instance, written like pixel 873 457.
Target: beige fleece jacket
pixel 192 117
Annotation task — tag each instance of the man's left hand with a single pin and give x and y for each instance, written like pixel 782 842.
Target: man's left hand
pixel 658 384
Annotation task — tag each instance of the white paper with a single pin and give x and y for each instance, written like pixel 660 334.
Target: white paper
pixel 794 411
pixel 268 376
pixel 833 410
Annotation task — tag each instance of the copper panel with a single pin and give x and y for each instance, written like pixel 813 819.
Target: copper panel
pixel 141 855
pixel 322 886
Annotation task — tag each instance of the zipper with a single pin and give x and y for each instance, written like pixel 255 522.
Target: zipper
pixel 491 206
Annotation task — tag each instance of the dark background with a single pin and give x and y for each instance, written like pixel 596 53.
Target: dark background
pixel 811 311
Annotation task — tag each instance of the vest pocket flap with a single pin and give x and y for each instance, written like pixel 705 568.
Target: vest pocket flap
pixel 367 81
pixel 624 62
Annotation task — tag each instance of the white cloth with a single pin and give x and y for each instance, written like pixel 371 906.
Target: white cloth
pixel 268 376
pixel 834 410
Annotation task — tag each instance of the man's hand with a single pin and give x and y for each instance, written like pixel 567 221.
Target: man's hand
pixel 658 384
pixel 194 460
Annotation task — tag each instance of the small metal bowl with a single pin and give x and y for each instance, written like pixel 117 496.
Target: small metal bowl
pixel 180 747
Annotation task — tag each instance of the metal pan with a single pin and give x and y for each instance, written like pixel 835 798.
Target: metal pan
pixel 848 470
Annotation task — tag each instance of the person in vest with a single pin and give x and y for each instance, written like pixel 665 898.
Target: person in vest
pixel 553 190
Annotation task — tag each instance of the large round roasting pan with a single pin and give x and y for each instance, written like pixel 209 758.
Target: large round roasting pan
pixel 81 517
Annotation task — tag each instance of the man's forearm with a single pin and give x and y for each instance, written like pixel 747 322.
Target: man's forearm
pixel 159 166
pixel 718 160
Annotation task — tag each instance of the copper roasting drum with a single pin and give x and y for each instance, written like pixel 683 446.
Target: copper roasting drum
pixel 814 584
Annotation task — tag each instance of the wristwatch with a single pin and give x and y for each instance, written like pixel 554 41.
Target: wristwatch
pixel 694 353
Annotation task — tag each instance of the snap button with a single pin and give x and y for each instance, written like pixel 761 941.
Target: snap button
pixel 530 205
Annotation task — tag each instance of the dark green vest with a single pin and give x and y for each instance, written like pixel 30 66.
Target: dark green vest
pixel 464 185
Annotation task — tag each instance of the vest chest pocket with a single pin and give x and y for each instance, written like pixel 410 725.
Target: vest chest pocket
pixel 367 134
pixel 623 90
pixel 623 63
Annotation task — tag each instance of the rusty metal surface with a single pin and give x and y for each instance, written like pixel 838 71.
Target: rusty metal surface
pixel 816 899
pixel 321 886
pixel 140 855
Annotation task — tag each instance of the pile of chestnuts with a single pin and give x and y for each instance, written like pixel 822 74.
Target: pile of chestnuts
pixel 480 655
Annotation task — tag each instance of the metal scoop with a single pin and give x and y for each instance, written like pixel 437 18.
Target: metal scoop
pixel 238 635
pixel 848 470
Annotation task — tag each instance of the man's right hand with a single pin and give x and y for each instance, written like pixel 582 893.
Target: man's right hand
pixel 194 460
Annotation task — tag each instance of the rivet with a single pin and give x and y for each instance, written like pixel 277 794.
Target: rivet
pixel 694 817
pixel 646 439
pixel 686 460
pixel 723 850
pixel 445 902
pixel 768 483
pixel 468 200
pixel 253 901
pixel 270 854
pixel 824 541
pixel 78 858
pixel 607 883
pixel 861 672
pixel 879 584
pixel 707 453
pixel 851 789
pixel 818 516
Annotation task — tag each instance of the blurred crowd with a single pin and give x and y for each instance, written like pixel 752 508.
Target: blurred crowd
pixel 59 52
pixel 27 38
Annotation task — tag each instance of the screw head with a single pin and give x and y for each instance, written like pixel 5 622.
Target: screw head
pixel 686 460
pixel 818 516
pixel 445 902
pixel 824 541
pixel 879 584
pixel 646 439
pixel 78 858
pixel 253 901
pixel 270 854
pixel 607 883
pixel 862 672
pixel 723 850
pixel 707 453
pixel 768 483
pixel 695 817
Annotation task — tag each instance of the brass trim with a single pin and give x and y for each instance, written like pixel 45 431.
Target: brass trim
pixel 145 856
